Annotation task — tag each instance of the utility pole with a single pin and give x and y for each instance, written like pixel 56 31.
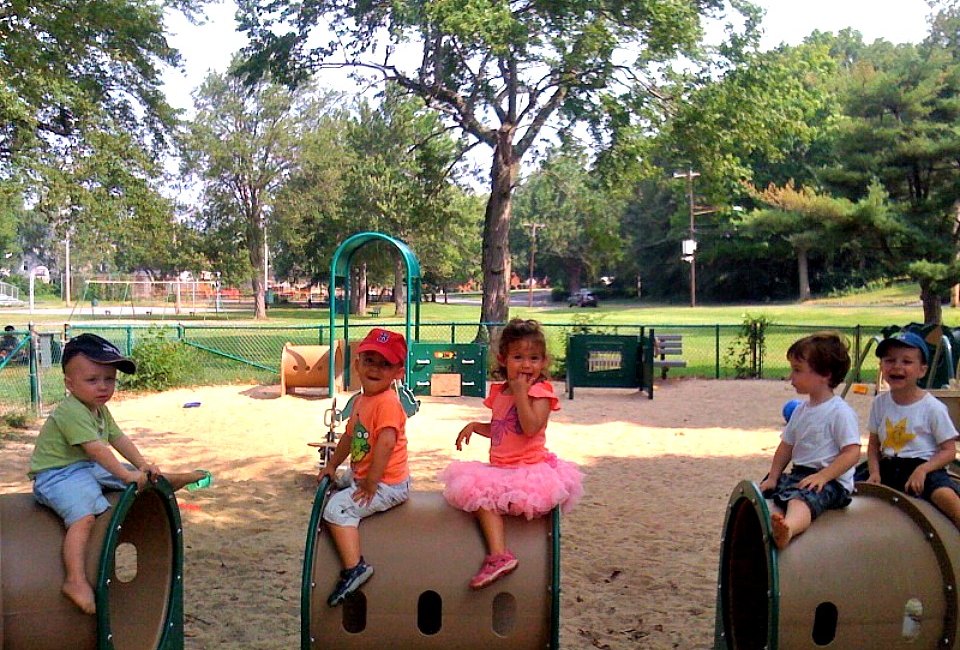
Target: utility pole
pixel 533 251
pixel 690 246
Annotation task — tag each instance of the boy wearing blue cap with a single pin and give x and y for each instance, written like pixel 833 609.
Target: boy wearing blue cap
pixel 74 459
pixel 912 438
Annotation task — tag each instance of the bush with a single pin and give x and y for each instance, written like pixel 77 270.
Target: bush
pixel 161 363
pixel 18 419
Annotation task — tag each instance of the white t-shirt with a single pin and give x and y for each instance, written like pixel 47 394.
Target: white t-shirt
pixel 912 431
pixel 818 433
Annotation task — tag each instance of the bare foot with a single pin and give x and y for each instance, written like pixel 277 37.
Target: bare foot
pixel 81 593
pixel 179 480
pixel 781 531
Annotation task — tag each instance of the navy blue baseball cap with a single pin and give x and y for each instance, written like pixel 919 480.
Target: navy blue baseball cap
pixel 98 350
pixel 906 340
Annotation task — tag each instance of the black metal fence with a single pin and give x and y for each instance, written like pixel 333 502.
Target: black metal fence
pixel 31 380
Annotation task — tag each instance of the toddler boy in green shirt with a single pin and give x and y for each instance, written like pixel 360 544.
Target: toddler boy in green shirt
pixel 74 460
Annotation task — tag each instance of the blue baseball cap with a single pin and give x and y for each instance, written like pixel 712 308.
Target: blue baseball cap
pixel 907 340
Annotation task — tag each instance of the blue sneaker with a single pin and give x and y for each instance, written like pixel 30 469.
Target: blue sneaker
pixel 350 580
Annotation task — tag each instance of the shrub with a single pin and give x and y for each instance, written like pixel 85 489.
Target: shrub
pixel 161 363
pixel 746 351
pixel 17 419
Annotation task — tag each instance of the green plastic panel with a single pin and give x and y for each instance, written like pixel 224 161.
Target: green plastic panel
pixel 469 360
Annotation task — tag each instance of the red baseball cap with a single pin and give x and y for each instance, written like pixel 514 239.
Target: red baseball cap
pixel 391 345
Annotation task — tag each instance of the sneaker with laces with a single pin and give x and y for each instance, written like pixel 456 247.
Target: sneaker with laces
pixel 494 567
pixel 350 580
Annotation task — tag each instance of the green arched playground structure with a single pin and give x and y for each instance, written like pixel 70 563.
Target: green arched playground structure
pixel 340 276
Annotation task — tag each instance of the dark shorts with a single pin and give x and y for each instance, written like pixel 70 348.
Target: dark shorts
pixel 832 497
pixel 894 472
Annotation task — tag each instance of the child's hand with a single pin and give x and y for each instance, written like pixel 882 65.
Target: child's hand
pixel 813 482
pixel 138 477
pixel 327 470
pixel 915 483
pixel 873 478
pixel 520 385
pixel 152 471
pixel 464 437
pixel 767 484
pixel 365 491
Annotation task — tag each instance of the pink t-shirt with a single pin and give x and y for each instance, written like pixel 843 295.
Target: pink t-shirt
pixel 509 446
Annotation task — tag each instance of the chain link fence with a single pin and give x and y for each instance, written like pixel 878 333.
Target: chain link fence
pixel 31 380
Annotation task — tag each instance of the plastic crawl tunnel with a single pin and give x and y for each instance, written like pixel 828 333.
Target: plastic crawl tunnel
pixel 305 366
pixel 424 553
pixel 135 561
pixel 881 573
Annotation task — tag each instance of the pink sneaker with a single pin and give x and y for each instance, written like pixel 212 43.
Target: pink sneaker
pixel 494 567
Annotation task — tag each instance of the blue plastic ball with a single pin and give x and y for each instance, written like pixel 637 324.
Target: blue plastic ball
pixel 790 407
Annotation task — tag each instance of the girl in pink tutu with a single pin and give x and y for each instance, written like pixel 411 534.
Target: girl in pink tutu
pixel 522 478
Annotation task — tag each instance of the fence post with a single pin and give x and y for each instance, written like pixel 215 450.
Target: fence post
pixel 856 347
pixel 716 347
pixel 453 332
pixel 181 332
pixel 320 335
pixel 129 340
pixel 34 376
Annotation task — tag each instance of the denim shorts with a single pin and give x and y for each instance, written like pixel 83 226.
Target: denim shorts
pixel 894 472
pixel 342 510
pixel 76 491
pixel 832 496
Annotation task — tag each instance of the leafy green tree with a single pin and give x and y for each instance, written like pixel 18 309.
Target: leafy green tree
pixel 499 72
pixel 242 145
pixel 903 104
pixel 580 218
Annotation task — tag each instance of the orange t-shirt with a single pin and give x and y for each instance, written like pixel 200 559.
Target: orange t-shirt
pixel 508 444
pixel 371 415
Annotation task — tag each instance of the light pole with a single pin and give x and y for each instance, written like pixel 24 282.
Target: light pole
pixel 690 246
pixel 533 251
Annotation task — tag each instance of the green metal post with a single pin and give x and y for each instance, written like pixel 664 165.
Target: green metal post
pixel 129 339
pixel 716 348
pixel 34 378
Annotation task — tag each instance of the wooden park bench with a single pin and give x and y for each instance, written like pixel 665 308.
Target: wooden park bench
pixel 667 345
pixel 374 310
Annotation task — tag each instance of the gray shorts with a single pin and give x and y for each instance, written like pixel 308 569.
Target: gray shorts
pixel 76 491
pixel 342 510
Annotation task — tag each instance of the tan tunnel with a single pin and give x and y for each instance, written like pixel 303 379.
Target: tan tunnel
pixel 134 561
pixel 424 553
pixel 881 573
pixel 308 366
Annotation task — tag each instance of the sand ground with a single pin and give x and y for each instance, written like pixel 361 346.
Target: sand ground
pixel 639 554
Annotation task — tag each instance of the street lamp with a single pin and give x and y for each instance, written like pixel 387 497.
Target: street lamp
pixel 533 251
pixel 690 245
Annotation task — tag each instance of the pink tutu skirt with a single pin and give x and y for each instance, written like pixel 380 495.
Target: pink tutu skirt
pixel 528 490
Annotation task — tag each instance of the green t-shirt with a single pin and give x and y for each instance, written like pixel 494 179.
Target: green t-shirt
pixel 69 426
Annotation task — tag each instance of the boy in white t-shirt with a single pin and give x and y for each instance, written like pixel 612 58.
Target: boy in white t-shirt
pixel 912 438
pixel 822 439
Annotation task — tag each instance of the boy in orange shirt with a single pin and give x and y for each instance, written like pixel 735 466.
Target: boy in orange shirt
pixel 375 440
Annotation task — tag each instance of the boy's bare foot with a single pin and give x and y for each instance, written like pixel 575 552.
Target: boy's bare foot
pixel 81 593
pixel 781 531
pixel 182 479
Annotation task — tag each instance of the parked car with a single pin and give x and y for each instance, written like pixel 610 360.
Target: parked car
pixel 583 298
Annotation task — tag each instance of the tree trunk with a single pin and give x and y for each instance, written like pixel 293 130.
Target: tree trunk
pixel 574 270
pixel 359 298
pixel 803 274
pixel 495 259
pixel 400 288
pixel 932 309
pixel 256 279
